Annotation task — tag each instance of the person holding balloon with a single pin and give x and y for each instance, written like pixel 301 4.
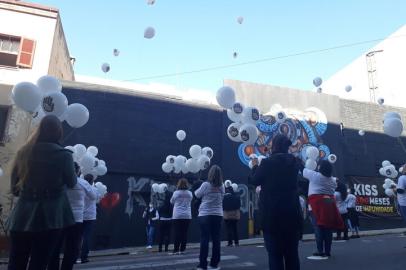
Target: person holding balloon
pixel 41 172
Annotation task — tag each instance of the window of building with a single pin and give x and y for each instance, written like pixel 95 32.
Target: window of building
pixel 4 115
pixel 16 51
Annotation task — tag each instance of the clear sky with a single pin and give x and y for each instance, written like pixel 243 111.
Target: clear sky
pixel 199 34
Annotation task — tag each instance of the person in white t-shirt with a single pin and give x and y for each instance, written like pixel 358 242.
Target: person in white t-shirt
pixel 352 213
pixel 181 216
pixel 401 192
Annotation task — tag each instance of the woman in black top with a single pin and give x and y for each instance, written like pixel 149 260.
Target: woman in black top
pixel 279 205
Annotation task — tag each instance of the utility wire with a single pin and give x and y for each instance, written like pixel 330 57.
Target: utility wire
pixel 252 62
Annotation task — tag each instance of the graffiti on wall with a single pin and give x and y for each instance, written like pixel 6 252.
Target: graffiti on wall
pixel 303 128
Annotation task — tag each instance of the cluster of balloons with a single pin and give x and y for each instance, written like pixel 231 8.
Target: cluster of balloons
pixel 312 154
pixel 243 129
pixel 389 185
pixel 392 124
pixel 317 83
pixel 46 98
pixel 388 170
pixel 101 190
pixel 228 184
pixel 199 161
pixel 87 160
pixel 257 157
pixel 159 188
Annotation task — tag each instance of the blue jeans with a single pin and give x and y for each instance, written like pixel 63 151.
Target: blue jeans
pixel 87 234
pixel 324 237
pixel 210 227
pixel 282 250
pixel 150 234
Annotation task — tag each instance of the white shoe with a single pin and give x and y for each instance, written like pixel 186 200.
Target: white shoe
pixel 78 261
pixel 213 268
pixel 149 247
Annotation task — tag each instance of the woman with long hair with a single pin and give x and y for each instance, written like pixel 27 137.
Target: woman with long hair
pixel 182 214
pixel 210 216
pixel 41 171
pixel 281 214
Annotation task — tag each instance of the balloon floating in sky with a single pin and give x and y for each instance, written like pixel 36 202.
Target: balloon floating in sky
pixel 348 88
pixel 150 2
pixel 319 90
pixel 361 132
pixel 381 101
pixel 240 19
pixel 225 97
pixel 105 67
pixel 181 135
pixel 317 81
pixel 116 52
pixel 149 32
pixel 235 54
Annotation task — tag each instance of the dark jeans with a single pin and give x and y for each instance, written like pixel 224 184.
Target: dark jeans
pixel 70 241
pixel 345 231
pixel 324 237
pixel 86 238
pixel 283 250
pixel 150 234
pixel 232 231
pixel 210 227
pixel 180 231
pixel 36 247
pixel 164 234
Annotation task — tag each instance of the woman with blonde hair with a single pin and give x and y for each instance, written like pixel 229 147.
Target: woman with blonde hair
pixel 41 171
pixel 182 214
pixel 210 216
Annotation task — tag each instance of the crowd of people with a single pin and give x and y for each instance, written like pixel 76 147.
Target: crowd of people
pixel 56 208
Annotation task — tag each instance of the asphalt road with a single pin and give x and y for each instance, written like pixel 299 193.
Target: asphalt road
pixel 370 253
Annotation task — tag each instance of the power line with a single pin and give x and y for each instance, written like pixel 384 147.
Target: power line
pixel 252 62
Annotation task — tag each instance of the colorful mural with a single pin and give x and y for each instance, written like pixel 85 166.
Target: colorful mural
pixel 303 128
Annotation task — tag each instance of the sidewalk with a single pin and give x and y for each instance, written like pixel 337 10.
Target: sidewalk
pixel 243 242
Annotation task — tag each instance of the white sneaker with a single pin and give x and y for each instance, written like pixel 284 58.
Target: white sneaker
pixel 149 247
pixel 213 268
pixel 78 261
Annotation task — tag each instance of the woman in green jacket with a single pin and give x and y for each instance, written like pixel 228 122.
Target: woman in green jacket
pixel 41 172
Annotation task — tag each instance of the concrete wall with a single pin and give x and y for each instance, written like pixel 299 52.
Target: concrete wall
pixel 60 65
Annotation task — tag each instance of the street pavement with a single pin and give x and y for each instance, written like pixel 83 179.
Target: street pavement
pixel 370 253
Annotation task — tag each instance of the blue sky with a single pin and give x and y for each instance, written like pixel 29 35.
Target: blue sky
pixel 197 34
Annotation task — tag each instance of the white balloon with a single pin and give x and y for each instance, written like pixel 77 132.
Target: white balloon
pixel 348 88
pixel 381 101
pixel 177 169
pixel 207 151
pixel 225 97
pixel 240 19
pixel 101 189
pixel 155 187
pixel 70 148
pixel 180 160
pixel 49 84
pixel 55 103
pixel 167 167
pixel 1 172
pixel 389 192
pixel 312 152
pixel 150 2
pixel 105 67
pixel 195 151
pixel 250 165
pixel 162 187
pixel 77 115
pixel 101 170
pixel 235 187
pixel 80 151
pixel 37 115
pixel 361 132
pixel 393 127
pixel 87 162
pixel 319 90
pixel 275 108
pixel 149 32
pixel 181 135
pixel 116 52
pixel 233 132
pixel 253 156
pixel 192 165
pixel 92 150
pixel 204 162
pixel 280 117
pixel 317 81
pixel 27 96
pixel 332 158
pixel 311 164
pixel 227 183
pixel 235 54
pixel 386 163
pixel 102 162
pixel 382 172
pixel 248 133
pixel 236 112
pixel 400 169
pixel 170 159
pixel 389 115
pixel 250 115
